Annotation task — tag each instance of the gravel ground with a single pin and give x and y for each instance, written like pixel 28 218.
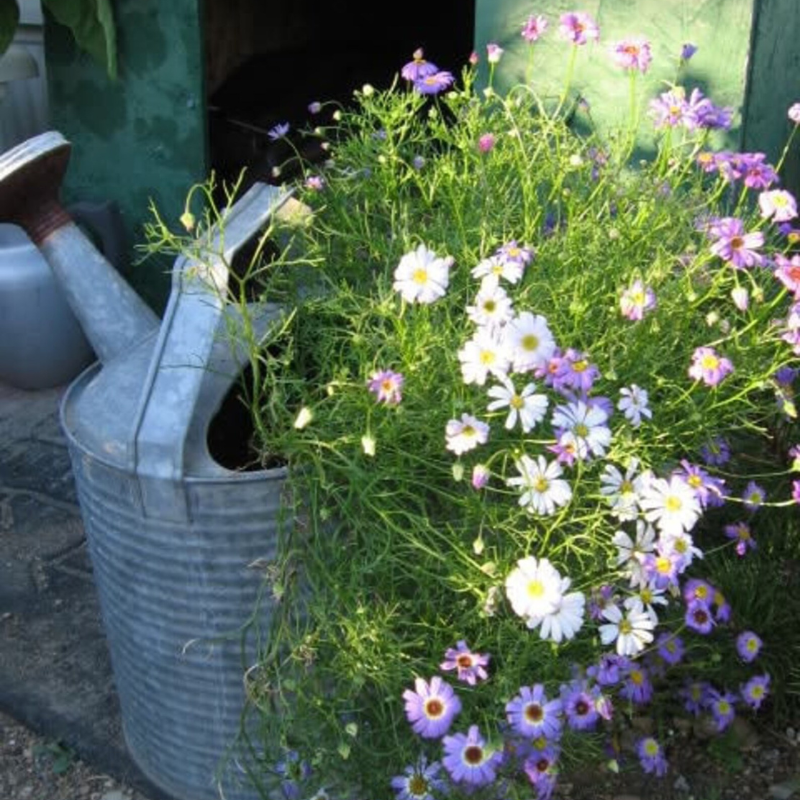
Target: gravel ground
pixel 754 765
pixel 33 768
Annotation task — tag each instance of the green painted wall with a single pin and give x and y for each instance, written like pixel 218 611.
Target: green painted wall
pixel 142 136
pixel 748 57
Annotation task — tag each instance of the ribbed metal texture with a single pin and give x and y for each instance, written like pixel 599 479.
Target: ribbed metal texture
pixel 174 598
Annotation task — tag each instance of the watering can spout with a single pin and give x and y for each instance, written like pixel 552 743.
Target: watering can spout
pixel 113 317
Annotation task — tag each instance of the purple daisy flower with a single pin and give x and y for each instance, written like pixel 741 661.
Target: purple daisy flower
pixel 578 27
pixel 637 686
pixel 748 645
pixel 632 54
pixel 580 706
pixel 741 534
pixel 694 695
pixel 651 756
pixel 787 271
pixel 735 246
pixel 471 667
pixel 431 708
pixel 278 131
pixel 709 367
pixel 755 691
pixel 670 648
pixel 669 109
pixel 696 590
pixel 531 714
pixel 608 670
pixel 419 781
pixel 716 453
pixel 721 706
pixel 753 496
pixel 468 760
pixel 698 617
pixel 514 253
pixel 293 771
pixel 576 372
pixel 708 489
pixel 434 83
pixel 540 767
pixel 387 386
pixel 533 28
pixel 418 68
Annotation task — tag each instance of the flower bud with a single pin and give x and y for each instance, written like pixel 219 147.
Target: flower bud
pixel 741 298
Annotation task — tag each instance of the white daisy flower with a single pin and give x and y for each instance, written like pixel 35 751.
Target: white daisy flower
pixel 543 488
pixel 632 631
pixel 492 304
pixel 533 587
pixel 646 598
pixel 682 544
pixel 465 434
pixel 567 618
pixel 633 404
pixel 583 428
pixel 526 406
pixel 631 552
pixel 510 271
pixel 621 491
pixel 422 276
pixel 482 355
pixel 672 505
pixel 529 341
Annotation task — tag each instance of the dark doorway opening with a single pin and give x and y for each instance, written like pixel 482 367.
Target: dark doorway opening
pixel 267 61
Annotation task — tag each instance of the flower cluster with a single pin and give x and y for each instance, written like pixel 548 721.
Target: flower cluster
pixel 547 414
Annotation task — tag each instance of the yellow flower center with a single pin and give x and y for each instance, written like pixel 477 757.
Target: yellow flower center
pixel 581 430
pixel 580 366
pixel 709 362
pixel 516 402
pixel 541 484
pixel 487 357
pixel 673 503
pixel 625 627
pixel 530 342
pixel 420 276
pixel 535 588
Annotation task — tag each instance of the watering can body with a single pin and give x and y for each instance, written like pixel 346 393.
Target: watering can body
pixel 172 534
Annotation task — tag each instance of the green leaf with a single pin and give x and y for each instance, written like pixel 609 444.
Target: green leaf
pixel 92 25
pixel 9 19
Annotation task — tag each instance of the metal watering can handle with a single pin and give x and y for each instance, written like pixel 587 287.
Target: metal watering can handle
pixel 184 354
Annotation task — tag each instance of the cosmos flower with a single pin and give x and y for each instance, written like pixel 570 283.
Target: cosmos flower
pixel 631 631
pixel 670 504
pixel 636 300
pixel 733 245
pixel 492 306
pixel 529 341
pixel 533 587
pixel 527 407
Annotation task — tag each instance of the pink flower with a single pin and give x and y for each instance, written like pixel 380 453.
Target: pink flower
pixel 386 386
pixel 794 113
pixel 709 367
pixel 578 27
pixel 787 271
pixel 493 53
pixel 533 28
pixel 632 54
pixel 796 491
pixel 778 205
pixel 636 300
pixel 480 476
pixel 486 142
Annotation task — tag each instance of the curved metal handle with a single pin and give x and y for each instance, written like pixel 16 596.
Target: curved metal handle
pixel 186 349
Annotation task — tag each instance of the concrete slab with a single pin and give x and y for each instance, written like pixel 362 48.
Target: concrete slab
pixel 55 672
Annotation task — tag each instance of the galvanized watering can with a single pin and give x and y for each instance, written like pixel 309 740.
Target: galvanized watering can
pixel 171 533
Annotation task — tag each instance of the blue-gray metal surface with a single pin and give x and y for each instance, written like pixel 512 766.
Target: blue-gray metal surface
pixel 171 533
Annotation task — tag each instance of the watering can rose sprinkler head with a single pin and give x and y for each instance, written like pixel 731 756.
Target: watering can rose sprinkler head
pixel 112 315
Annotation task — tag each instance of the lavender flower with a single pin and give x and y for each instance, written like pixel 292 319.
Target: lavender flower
pixel 740 533
pixel 670 648
pixel 418 68
pixel 636 300
pixel 755 691
pixel 278 131
pixel 531 714
pixel 709 367
pixel 687 51
pixel 580 706
pixel 578 27
pixel 698 617
pixel 419 781
pixel 651 756
pixel 471 667
pixel 533 28
pixel 632 54
pixel 468 760
pixel 637 686
pixel 721 706
pixel 431 707
pixel 735 246
pixel 716 453
pixel 753 496
pixel 387 386
pixel 434 83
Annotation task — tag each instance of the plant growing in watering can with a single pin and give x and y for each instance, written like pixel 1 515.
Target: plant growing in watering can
pixel 538 406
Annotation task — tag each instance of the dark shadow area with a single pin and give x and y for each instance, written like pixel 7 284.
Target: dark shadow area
pixel 265 66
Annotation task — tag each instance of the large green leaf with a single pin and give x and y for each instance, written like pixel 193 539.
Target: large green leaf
pixel 9 19
pixel 92 25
